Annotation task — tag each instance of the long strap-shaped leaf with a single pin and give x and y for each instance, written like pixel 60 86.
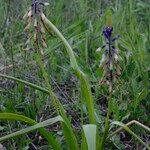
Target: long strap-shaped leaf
pixel 85 88
pixel 68 131
pixel 26 83
pixel 51 140
pixel 90 135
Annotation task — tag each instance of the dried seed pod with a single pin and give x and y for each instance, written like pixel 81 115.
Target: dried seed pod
pixel 27 27
pixel 42 29
pixel 41 51
pixel 46 3
pixel 103 60
pixel 30 13
pixel 35 36
pixel 44 44
pixel 35 23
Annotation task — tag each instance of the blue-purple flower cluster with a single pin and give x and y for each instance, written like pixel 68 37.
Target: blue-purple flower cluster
pixel 107 32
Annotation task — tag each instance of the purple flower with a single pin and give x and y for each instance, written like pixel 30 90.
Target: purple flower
pixel 107 32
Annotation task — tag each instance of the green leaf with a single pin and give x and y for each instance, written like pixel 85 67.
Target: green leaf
pixel 26 83
pixel 32 128
pixel 83 80
pixel 90 135
pixel 51 140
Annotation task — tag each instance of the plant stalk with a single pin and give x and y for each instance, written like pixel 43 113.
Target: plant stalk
pixel 85 88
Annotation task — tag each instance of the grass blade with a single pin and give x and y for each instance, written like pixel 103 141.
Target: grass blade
pixel 51 140
pixel 32 128
pixel 26 83
pixel 83 80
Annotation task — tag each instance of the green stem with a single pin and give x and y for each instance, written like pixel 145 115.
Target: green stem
pixel 56 103
pixel 26 83
pixel 48 24
pixel 107 124
pixel 83 80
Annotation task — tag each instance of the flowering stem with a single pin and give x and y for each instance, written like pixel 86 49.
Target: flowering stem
pixel 107 124
pixel 56 103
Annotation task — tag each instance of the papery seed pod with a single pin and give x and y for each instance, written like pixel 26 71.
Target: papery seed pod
pixel 116 57
pixel 46 3
pixel 44 44
pixel 111 65
pixel 42 29
pixel 27 27
pixel 35 36
pixel 98 49
pixel 30 13
pixel 103 60
pixel 35 23
pixel 118 70
pixel 41 51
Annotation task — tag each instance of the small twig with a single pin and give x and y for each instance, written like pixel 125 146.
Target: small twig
pixel 129 124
